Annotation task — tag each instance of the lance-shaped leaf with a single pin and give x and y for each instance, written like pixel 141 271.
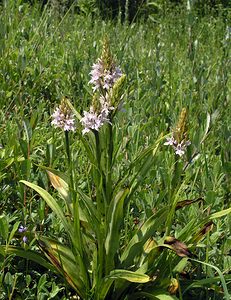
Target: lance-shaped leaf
pixel 4 227
pixel 220 214
pixel 63 176
pixel 63 259
pixel 222 278
pixel 87 210
pixel 28 254
pixel 129 276
pixel 57 209
pixel 193 232
pixel 122 279
pixel 207 282
pixel 116 216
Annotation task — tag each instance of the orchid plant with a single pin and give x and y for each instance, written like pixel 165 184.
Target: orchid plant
pixel 99 257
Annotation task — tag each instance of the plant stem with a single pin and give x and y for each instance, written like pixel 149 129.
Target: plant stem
pixel 109 165
pixel 77 241
pixel 100 192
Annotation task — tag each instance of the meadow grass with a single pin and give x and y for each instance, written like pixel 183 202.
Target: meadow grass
pixel 180 60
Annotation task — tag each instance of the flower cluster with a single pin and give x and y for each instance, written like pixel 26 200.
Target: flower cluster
pixel 94 121
pixel 103 78
pixel 63 117
pixel 104 75
pixel 179 148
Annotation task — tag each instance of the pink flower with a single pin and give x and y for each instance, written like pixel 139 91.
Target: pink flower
pixel 63 119
pixel 179 148
pixel 93 121
pixel 102 78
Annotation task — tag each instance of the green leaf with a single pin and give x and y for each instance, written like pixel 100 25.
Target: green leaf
pixel 73 109
pixel 63 176
pixel 28 279
pixel 140 167
pixel 4 227
pixel 64 261
pixel 135 246
pixel 28 254
pixel 221 213
pixel 60 182
pixel 57 209
pixel 129 276
pixel 115 215
pixel 15 228
pixel 208 121
pixel 42 282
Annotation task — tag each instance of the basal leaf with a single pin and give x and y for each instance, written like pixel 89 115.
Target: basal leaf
pixel 64 261
pixel 57 209
pixel 28 254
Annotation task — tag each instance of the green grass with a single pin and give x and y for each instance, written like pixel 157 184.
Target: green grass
pixel 178 61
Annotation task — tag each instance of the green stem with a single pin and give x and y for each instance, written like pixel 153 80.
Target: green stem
pixel 173 199
pixel 108 183
pixel 77 239
pixel 99 185
pixel 70 171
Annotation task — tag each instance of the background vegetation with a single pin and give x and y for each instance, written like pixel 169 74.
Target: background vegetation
pixel 173 58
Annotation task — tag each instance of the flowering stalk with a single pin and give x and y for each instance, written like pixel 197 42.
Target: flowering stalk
pixel 64 118
pixel 107 82
pixel 179 142
pixel 104 76
pixel 178 139
pixel 104 73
